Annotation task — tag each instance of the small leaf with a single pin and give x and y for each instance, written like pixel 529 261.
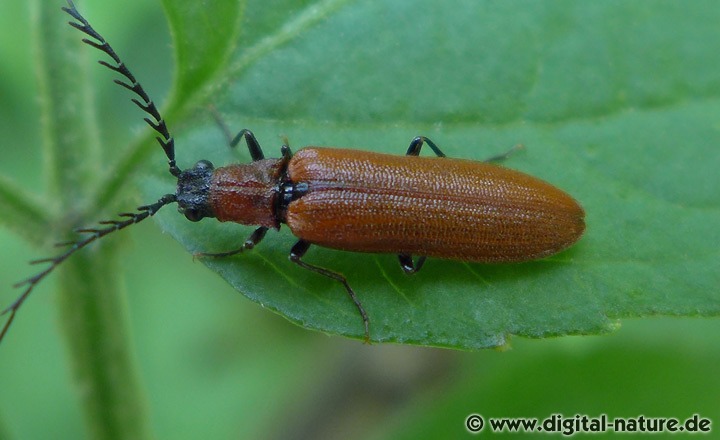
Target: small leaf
pixel 615 102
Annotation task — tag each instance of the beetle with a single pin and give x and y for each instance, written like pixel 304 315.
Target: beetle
pixel 351 200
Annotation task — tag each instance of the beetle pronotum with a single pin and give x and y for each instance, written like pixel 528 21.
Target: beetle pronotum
pixel 352 201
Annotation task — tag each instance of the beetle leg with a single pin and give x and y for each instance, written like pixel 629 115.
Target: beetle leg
pixel 253 145
pixel 505 155
pixel 407 264
pixel 417 143
pixel 254 238
pixel 299 250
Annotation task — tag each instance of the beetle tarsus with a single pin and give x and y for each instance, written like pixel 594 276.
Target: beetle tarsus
pixel 417 143
pixel 256 152
pixel 407 264
pixel 254 238
pixel 505 155
pixel 296 254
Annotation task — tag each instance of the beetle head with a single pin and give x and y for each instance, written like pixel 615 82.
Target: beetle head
pixel 193 189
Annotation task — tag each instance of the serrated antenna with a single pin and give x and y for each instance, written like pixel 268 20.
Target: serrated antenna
pixel 147 105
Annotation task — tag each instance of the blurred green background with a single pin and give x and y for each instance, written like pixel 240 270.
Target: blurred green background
pixel 215 365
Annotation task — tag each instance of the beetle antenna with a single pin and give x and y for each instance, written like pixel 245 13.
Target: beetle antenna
pixel 166 141
pixel 95 234
pixel 147 105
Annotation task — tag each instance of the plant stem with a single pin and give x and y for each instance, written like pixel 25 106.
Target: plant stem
pixel 21 213
pixel 92 304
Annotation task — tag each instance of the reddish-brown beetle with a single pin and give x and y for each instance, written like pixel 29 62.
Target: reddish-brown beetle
pixel 355 201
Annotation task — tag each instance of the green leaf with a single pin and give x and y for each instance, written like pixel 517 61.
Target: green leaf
pixel 617 103
pixel 204 34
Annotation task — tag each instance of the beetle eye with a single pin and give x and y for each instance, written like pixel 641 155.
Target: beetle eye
pixel 193 215
pixel 204 165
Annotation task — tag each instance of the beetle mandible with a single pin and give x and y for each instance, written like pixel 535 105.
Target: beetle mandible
pixel 352 201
